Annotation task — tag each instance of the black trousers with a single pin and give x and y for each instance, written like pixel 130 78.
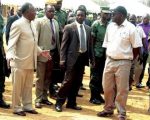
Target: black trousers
pixel 71 83
pixel 145 56
pixel 2 72
pixel 96 77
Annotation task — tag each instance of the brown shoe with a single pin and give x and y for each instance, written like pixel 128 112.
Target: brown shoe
pixel 21 113
pixel 105 113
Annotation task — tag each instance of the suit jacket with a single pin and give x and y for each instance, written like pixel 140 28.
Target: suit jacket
pixel 45 35
pixel 8 25
pixel 69 51
pixel 22 45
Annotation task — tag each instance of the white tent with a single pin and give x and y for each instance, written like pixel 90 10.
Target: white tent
pixel 36 3
pixel 133 7
pixel 73 4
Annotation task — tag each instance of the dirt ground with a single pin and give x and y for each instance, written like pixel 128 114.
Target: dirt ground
pixel 137 106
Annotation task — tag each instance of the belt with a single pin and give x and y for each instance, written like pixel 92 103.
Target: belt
pixel 117 59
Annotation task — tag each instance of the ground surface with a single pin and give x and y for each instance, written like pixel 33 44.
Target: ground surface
pixel 137 106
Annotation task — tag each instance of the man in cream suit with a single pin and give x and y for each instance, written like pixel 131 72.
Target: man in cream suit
pixel 48 39
pixel 22 56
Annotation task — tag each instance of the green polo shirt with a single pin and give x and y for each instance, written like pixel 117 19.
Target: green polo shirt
pixel 98 31
pixel 61 17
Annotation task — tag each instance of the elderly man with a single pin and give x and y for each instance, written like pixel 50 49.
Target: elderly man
pixel 122 44
pixel 22 57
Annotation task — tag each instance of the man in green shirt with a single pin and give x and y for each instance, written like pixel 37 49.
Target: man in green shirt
pixel 98 33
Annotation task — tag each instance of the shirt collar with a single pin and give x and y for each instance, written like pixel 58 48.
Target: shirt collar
pixel 26 19
pixel 78 24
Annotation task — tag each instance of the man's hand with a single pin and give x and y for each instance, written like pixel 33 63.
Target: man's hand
pixel 8 62
pixel 62 66
pixel 45 53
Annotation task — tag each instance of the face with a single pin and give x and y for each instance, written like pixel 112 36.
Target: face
pixel 50 12
pixel 80 16
pixel 146 20
pixel 116 17
pixel 31 13
pixel 133 19
pixel 106 16
pixel 58 5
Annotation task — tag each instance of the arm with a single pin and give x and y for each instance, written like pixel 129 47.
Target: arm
pixel 64 47
pixel 15 32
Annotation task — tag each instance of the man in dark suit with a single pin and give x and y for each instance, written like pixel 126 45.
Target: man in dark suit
pixel 10 20
pixel 76 50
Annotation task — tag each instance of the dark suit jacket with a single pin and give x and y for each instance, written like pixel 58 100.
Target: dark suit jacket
pixel 70 46
pixel 8 25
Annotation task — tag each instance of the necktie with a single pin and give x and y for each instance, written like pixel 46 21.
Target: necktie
pixel 53 34
pixel 83 41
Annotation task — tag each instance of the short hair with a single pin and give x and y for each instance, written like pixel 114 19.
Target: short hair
pixel 47 6
pixel 80 10
pixel 25 7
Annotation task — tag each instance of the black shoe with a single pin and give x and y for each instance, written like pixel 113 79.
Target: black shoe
pixel 95 101
pixel 101 99
pixel 82 88
pixel 21 113
pixel 46 102
pixel 31 111
pixel 79 95
pixel 38 105
pixel 140 86
pixel 74 107
pixel 58 108
pixel 3 104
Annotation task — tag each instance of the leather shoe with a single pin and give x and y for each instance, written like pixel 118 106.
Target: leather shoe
pixel 46 102
pixel 74 107
pixel 3 104
pixel 79 95
pixel 82 88
pixel 31 111
pixel 105 113
pixel 58 108
pixel 121 118
pixel 38 105
pixel 95 101
pixel 21 113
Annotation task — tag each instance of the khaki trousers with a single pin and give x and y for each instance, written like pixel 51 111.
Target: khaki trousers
pixel 44 70
pixel 116 84
pixel 22 80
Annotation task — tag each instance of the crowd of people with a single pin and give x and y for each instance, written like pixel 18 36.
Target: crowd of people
pixel 57 46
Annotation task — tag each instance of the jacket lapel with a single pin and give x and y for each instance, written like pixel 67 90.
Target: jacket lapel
pixel 75 29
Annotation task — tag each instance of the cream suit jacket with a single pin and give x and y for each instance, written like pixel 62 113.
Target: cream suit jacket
pixel 22 45
pixel 45 35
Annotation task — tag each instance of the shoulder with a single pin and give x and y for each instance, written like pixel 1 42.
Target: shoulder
pixel 95 23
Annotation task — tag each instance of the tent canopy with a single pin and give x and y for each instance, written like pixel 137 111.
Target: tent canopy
pixel 133 7
pixel 73 4
pixel 36 3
